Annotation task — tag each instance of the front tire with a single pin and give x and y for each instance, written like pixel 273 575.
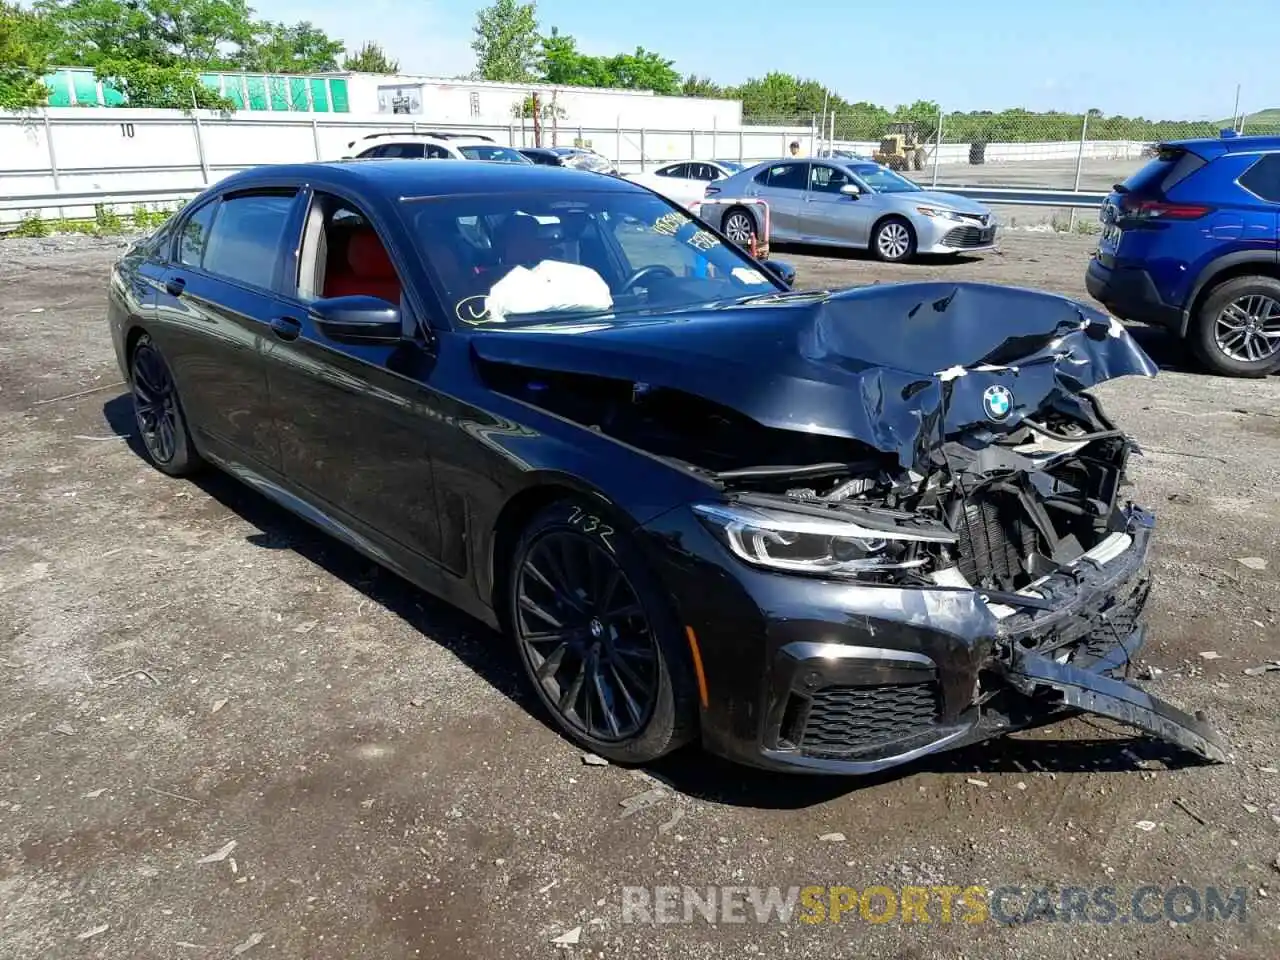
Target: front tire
pixel 157 412
pixel 597 636
pixel 1237 329
pixel 893 241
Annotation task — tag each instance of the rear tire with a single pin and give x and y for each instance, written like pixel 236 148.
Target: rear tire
pixel 1236 331
pixel 598 637
pixel 157 412
pixel 893 240
pixel 739 225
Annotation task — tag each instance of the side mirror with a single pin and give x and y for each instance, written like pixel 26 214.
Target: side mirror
pixel 851 190
pixel 357 319
pixel 782 270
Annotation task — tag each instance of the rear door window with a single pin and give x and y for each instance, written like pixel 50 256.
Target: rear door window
pixel 195 235
pixel 1170 167
pixel 245 239
pixel 789 176
pixel 1263 178
pixel 678 170
pixel 403 151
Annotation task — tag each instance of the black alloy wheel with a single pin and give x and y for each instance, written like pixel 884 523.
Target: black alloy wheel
pixel 158 413
pixel 586 636
pixel 597 637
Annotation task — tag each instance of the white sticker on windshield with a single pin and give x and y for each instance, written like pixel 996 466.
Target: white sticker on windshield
pixel 747 275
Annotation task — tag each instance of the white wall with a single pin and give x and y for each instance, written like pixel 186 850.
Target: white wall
pixel 146 155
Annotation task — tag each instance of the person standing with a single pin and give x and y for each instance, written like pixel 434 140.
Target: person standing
pixel 795 148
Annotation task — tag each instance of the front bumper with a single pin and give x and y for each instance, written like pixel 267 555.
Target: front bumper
pixel 856 679
pixel 936 235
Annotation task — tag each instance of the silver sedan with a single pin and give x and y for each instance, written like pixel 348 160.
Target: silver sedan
pixel 850 203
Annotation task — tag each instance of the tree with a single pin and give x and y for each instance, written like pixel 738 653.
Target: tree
pixel 642 70
pixel 696 86
pixel 300 48
pixel 91 30
pixel 506 41
pixel 24 58
pixel 563 65
pixel 174 86
pixel 196 32
pixel 370 58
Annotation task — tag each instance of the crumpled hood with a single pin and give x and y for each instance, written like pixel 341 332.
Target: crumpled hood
pixel 899 367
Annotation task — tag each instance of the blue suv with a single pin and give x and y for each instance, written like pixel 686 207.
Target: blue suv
pixel 1190 242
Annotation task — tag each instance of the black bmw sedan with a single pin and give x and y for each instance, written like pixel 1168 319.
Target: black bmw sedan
pixel 825 531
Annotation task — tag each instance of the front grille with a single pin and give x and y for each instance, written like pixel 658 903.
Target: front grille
pixel 847 720
pixel 995 539
pixel 965 237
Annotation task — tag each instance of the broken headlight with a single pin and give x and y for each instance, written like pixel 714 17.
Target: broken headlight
pixel 819 546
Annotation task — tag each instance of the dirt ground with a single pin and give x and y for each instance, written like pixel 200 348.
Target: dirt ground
pixel 186 667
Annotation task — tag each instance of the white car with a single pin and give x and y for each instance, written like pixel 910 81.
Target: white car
pixel 431 146
pixel 686 181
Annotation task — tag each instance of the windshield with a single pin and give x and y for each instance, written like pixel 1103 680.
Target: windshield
pixel 553 257
pixel 485 151
pixel 883 180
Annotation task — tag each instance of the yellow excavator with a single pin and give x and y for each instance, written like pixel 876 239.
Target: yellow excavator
pixel 901 149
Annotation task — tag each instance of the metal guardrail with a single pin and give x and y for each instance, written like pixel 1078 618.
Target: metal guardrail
pixel 995 195
pixel 1025 196
pixel 37 201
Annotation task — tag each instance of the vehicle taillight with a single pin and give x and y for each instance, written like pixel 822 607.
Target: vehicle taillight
pixel 1133 209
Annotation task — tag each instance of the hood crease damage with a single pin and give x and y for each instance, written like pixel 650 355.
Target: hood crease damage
pixel 957 410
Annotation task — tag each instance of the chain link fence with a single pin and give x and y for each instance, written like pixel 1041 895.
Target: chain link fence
pixel 1052 151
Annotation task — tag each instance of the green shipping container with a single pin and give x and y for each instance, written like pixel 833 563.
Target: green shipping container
pixel 298 94
pixel 338 91
pixel 233 89
pixel 257 92
pixel 279 93
pixel 86 87
pixel 319 95
pixel 111 96
pixel 59 85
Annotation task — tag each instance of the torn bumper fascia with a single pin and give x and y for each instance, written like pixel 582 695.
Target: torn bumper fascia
pixel 1070 687
pixel 1038 665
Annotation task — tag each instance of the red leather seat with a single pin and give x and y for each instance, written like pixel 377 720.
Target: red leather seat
pixel 368 272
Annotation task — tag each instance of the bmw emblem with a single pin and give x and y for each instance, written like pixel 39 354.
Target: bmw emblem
pixel 997 401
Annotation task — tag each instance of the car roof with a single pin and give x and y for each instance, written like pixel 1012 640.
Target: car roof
pixel 1209 147
pixel 415 137
pixel 429 178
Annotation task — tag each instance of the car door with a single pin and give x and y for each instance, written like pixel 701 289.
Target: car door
pixel 831 216
pixel 357 424
pixel 218 298
pixel 782 186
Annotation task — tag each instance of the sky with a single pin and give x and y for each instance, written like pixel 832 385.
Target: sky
pixel 1161 59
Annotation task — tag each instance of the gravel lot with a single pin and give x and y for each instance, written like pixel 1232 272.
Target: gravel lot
pixel 186 667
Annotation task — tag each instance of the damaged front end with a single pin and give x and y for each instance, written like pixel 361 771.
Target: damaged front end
pixel 922 464
pixel 1032 530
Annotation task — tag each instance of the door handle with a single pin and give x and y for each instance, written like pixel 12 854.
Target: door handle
pixel 286 328
pixel 174 286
